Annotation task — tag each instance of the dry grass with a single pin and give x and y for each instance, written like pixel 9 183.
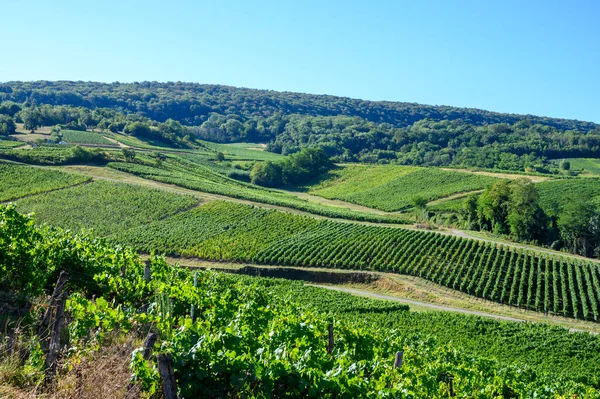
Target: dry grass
pixel 98 375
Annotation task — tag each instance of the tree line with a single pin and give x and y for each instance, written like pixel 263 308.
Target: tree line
pixel 348 130
pixel 513 209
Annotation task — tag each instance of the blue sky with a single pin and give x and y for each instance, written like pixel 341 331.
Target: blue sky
pixel 538 57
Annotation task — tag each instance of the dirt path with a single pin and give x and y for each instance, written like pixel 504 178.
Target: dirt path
pixel 443 308
pixel 373 295
pixel 338 203
pixel 533 178
pixel 121 145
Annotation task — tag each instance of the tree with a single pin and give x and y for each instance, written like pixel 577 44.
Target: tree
pixel 220 156
pixel 7 125
pixel 128 154
pixel 565 165
pixel 419 202
pixel 56 135
pixel 492 207
pixel 469 211
pixel 266 174
pixel 579 225
pixel 32 119
pixel 526 220
pixel 9 108
pixel 139 129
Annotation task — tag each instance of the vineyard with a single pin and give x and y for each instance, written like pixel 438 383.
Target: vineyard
pixel 556 194
pixel 81 137
pixel 195 176
pixel 588 165
pixel 393 188
pixel 242 151
pixel 17 181
pixel 104 206
pixel 7 144
pixel 227 231
pixel 226 336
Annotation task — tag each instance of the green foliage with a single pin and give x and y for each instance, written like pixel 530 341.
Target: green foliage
pixel 293 170
pixel 589 165
pixel 31 258
pixel 9 108
pixel 242 151
pixel 256 337
pixel 17 181
pixel 104 206
pixel 267 174
pixel 8 144
pixel 217 230
pixel 350 130
pixel 43 155
pixel 80 137
pixel 7 125
pixel 128 154
pixel 579 225
pixel 393 188
pixel 196 176
pixel 32 119
pixel 234 232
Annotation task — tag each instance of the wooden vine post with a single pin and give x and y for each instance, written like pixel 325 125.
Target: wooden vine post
pixel 44 325
pixel 147 271
pixel 451 385
pixel 398 359
pixel 167 377
pixel 54 345
pixel 330 344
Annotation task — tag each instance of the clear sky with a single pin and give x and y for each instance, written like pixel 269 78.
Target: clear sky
pixel 526 56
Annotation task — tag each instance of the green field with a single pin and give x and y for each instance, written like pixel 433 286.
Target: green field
pixel 81 137
pixel 555 194
pixel 393 188
pixel 242 151
pixel 269 330
pixel 17 181
pixel 217 230
pixel 203 178
pixel 105 207
pixel 7 144
pixel 589 165
pixel 234 232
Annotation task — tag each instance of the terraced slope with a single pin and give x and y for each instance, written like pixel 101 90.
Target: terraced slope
pixel 17 181
pixel 393 188
pixel 104 206
pixel 522 278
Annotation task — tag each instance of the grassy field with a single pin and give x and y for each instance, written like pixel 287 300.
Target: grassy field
pixel 393 188
pixel 243 151
pixel 79 137
pixel 589 165
pixel 104 206
pixel 17 181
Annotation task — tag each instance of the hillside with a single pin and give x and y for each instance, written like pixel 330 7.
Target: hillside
pixel 223 336
pixel 192 103
pixel 348 129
